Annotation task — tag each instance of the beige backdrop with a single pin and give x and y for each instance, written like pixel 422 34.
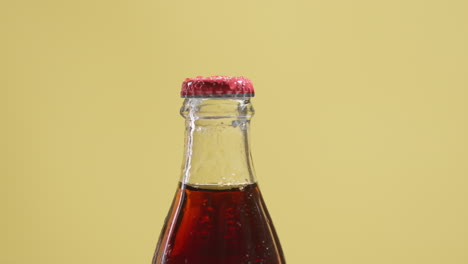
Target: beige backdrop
pixel 360 140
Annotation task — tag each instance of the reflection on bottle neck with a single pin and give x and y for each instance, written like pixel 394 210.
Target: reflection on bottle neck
pixel 217 150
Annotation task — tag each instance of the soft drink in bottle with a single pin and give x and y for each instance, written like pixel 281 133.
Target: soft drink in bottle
pixel 218 215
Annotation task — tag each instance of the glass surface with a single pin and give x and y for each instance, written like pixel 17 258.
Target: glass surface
pixel 218 214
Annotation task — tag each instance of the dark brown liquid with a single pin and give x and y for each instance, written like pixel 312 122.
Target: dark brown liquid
pixel 218 227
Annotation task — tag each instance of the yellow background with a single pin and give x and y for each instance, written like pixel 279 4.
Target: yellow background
pixel 360 140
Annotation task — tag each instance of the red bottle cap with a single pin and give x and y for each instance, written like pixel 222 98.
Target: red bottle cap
pixel 217 86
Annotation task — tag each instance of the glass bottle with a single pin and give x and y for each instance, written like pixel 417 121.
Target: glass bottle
pixel 218 214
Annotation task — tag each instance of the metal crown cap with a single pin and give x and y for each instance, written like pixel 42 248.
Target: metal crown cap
pixel 217 87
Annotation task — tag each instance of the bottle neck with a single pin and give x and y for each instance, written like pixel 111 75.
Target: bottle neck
pixel 217 149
